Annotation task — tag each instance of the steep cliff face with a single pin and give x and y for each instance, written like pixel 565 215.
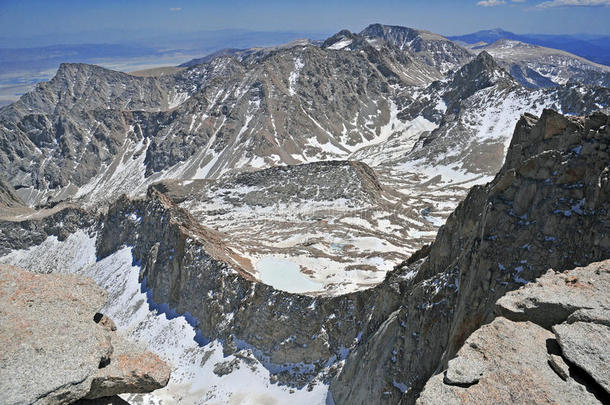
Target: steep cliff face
pixel 189 267
pixel 548 206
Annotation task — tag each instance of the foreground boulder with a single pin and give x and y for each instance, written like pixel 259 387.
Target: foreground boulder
pixel 57 348
pixel 553 349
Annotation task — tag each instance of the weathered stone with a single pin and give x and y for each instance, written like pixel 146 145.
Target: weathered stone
pixel 464 372
pixel 586 345
pixel 53 350
pixel 50 344
pixel 596 315
pixel 555 296
pixel 131 369
pixel 516 366
pixel 559 365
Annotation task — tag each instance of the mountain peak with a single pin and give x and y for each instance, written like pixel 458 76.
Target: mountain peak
pixel 433 49
pixel 486 59
pixel 340 40
pixel 499 31
pixel 480 73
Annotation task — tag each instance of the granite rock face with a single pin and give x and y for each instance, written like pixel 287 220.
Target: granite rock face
pixel 541 354
pixel 131 369
pixel 54 352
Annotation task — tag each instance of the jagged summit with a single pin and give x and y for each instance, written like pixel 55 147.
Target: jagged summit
pixel 340 40
pixel 482 72
pixel 430 48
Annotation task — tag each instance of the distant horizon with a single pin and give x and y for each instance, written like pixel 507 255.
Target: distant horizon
pixel 47 22
pixel 312 35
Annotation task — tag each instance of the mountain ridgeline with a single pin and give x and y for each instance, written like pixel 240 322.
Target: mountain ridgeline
pixel 343 158
pixel 90 129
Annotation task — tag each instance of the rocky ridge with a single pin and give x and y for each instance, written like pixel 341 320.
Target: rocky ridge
pixel 334 219
pixel 57 348
pixel 91 134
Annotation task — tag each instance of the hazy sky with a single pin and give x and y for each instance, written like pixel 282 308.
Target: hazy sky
pixel 120 20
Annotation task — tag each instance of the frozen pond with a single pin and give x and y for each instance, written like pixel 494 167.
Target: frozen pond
pixel 285 275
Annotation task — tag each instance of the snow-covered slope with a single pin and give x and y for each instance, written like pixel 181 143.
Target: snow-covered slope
pixel 536 66
pixel 201 373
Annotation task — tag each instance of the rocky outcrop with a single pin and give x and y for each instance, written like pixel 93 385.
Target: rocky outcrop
pixel 57 348
pixel 314 182
pixel 8 196
pixel 482 72
pixel 577 295
pixel 544 352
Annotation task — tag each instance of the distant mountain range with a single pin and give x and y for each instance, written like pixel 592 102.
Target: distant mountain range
pixel 592 47
pixel 25 58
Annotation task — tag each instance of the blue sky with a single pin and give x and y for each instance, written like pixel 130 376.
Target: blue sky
pixel 119 21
